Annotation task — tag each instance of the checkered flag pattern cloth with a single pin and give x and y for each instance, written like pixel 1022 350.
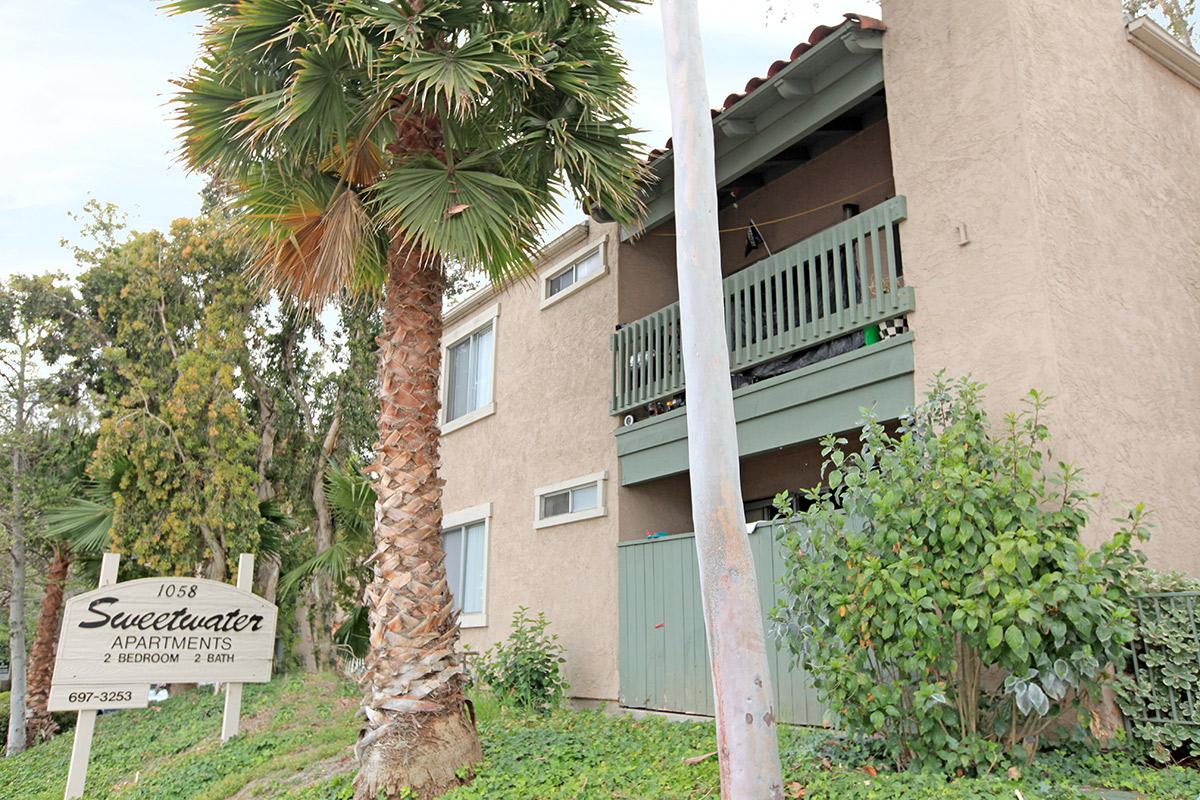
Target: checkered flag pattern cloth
pixel 893 327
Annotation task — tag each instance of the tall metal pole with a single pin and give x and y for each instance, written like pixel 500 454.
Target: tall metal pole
pixel 747 742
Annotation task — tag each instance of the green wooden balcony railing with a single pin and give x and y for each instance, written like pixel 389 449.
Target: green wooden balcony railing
pixel 843 279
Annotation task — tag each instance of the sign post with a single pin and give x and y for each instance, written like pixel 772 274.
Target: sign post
pixel 233 691
pixel 121 637
pixel 86 724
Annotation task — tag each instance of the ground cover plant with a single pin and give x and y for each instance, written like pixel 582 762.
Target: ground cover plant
pixel 595 756
pixel 938 591
pixel 1159 698
pixel 295 729
pixel 299 733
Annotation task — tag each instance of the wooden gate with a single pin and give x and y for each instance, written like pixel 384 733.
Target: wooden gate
pixel 663 652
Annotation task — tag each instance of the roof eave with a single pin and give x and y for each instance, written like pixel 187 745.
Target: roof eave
pixel 798 83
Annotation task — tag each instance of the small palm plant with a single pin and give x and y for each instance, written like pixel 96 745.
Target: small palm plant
pixel 352 500
pixel 77 531
pixel 371 144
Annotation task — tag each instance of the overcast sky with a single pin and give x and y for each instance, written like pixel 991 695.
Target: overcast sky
pixel 86 87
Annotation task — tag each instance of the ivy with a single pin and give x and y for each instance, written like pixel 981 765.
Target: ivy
pixel 1161 698
pixel 299 731
pixel 937 588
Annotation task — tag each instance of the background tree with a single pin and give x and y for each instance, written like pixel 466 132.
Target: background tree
pixel 57 470
pixel 351 500
pixel 374 143
pixel 1180 17
pixel 169 313
pixel 35 314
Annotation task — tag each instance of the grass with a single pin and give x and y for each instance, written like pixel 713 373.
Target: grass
pixel 299 730
pixel 173 751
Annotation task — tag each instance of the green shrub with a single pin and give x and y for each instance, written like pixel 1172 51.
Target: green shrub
pixel 1165 648
pixel 524 670
pixel 937 589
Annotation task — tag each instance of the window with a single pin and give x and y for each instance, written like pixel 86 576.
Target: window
pixel 570 501
pixel 581 268
pixel 470 374
pixel 468 369
pixel 464 536
pixel 574 273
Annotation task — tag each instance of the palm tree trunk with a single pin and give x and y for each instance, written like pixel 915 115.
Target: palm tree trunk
pixel 41 726
pixel 419 734
pixel 747 743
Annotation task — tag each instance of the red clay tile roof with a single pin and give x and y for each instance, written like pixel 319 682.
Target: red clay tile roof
pixel 818 34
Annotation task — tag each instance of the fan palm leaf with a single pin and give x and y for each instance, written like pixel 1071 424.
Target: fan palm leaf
pixel 83 523
pixel 352 501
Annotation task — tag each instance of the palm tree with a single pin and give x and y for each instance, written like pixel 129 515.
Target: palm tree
pixel 78 528
pixel 374 143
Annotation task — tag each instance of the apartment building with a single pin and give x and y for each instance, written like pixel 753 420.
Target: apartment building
pixel 1007 190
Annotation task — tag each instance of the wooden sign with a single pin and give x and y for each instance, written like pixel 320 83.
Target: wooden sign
pixel 120 638
pixel 81 698
pixel 164 630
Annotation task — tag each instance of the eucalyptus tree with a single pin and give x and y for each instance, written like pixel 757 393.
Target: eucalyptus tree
pixel 36 312
pixel 747 740
pixel 372 145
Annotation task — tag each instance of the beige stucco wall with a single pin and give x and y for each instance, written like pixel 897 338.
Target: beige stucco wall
pixel 551 387
pixel 1070 158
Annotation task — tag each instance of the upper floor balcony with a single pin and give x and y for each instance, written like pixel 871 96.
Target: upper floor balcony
pixel 803 326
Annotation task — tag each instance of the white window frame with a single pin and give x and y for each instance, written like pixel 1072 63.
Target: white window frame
pixel 601 509
pixel 560 265
pixel 453 336
pixel 467 516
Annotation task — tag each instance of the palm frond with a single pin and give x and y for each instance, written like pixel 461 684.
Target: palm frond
pixel 350 127
pixel 83 523
pixel 460 76
pixel 337 563
pixel 315 236
pixel 467 211
pixel 355 631
pixel 352 500
pixel 273 525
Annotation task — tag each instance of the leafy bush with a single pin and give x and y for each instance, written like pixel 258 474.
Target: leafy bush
pixel 937 589
pixel 1156 699
pixel 524 670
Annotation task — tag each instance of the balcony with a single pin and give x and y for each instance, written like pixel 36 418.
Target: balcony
pixel 798 369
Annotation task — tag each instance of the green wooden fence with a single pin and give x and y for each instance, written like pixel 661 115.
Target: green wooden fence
pixel 663 652
pixel 837 281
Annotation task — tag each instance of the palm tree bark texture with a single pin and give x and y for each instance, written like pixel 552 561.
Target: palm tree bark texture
pixel 40 726
pixel 419 733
